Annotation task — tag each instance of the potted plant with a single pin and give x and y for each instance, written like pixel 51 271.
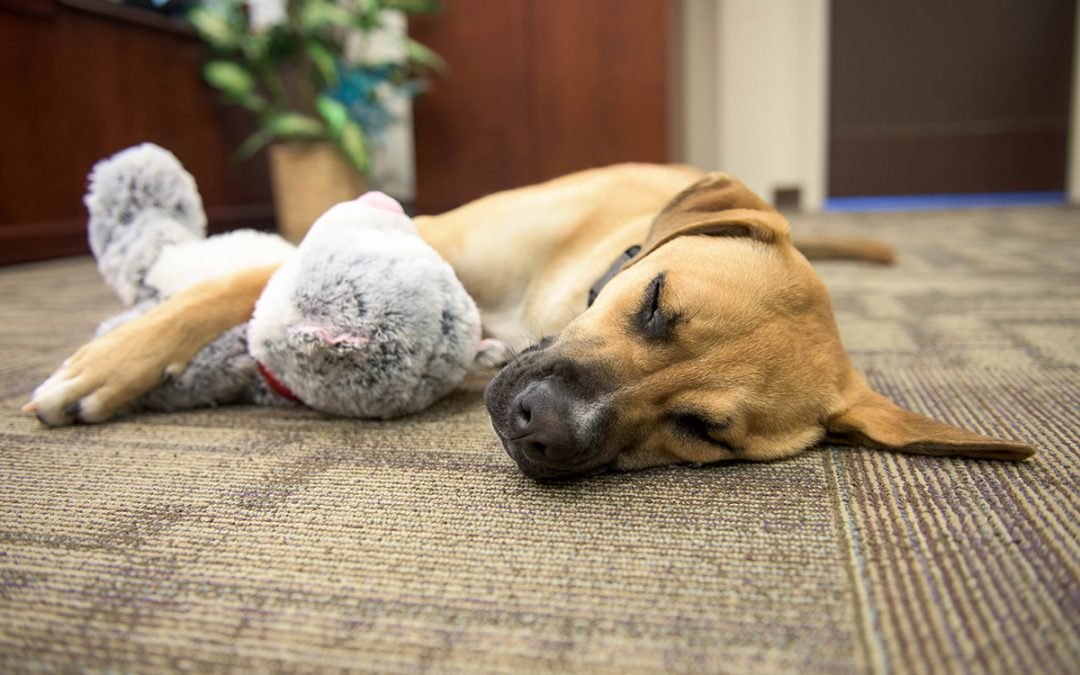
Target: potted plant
pixel 314 74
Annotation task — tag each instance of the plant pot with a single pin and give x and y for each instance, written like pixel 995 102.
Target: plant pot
pixel 309 178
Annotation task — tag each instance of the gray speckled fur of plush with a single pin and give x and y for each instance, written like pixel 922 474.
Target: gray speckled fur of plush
pixel 364 319
pixel 140 201
pixel 222 373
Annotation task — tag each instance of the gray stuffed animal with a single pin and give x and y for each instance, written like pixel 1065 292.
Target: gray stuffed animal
pixel 362 319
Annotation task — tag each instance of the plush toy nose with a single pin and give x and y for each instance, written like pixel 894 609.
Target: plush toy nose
pixel 380 200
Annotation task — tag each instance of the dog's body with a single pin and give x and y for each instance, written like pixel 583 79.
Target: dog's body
pixel 529 256
pixel 717 341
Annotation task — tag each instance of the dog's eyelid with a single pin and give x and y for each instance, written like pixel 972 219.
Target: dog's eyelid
pixel 655 291
pixel 650 320
pixel 701 426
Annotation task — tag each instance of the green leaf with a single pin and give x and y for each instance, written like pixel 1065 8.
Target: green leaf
pixel 213 27
pixel 230 78
pixel 414 6
pixel 334 112
pixel 354 146
pixel 256 48
pixel 316 14
pixel 255 103
pixel 255 142
pixel 368 6
pixel 424 55
pixel 324 62
pixel 295 125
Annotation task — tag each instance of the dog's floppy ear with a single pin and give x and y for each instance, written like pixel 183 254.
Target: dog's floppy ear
pixel 718 205
pixel 873 421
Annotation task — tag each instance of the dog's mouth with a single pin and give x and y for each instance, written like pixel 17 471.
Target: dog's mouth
pixel 551 414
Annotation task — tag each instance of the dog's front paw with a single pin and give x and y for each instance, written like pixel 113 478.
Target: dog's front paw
pixel 65 398
pixel 492 354
pixel 115 370
pixel 98 381
pixel 73 395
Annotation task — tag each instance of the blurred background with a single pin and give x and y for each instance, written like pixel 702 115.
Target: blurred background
pixel 816 104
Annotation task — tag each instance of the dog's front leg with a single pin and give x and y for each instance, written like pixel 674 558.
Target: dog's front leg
pixel 114 370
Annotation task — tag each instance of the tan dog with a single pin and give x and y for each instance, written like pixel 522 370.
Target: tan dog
pixel 716 341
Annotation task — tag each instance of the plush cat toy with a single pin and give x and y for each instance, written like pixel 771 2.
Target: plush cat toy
pixel 362 319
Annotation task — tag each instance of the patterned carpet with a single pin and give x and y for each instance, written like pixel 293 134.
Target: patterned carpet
pixel 248 539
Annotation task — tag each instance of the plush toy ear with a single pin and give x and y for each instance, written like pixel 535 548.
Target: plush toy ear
pixel 381 201
pixel 718 205
pixel 873 421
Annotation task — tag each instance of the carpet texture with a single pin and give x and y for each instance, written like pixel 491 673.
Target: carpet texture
pixel 256 539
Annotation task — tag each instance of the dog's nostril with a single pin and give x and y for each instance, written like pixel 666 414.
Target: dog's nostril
pixel 522 417
pixel 535 449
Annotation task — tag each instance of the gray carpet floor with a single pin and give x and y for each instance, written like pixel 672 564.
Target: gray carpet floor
pixel 256 539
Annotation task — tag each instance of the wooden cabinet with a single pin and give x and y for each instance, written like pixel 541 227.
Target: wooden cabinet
pixel 539 88
pixel 83 79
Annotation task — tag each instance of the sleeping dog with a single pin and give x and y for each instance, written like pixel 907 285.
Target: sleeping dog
pixel 682 323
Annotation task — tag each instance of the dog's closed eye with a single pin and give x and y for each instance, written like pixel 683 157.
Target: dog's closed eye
pixel 650 320
pixel 701 428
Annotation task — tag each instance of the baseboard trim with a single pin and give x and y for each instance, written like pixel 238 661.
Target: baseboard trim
pixel 945 201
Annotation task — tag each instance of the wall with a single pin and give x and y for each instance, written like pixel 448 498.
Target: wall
pixel 392 154
pixel 754 85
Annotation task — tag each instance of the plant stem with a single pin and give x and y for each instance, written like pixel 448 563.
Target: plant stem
pixel 276 87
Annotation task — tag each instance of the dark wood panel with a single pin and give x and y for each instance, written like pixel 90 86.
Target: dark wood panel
pixel 39 8
pixel 539 89
pixel 963 96
pixel 80 85
pixel 601 83
pixel 1009 162
pixel 473 127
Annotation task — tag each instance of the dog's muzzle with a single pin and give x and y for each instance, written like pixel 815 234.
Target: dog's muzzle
pixel 550 416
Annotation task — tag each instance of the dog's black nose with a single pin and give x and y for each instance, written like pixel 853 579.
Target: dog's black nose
pixel 539 427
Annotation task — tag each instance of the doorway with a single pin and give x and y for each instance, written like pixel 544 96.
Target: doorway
pixel 962 97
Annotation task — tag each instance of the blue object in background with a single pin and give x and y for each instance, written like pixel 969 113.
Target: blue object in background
pixel 932 202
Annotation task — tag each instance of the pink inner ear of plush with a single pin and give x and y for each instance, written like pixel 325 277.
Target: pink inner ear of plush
pixel 380 200
pixel 323 335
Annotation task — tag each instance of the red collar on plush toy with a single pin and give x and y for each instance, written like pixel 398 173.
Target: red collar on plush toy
pixel 373 199
pixel 277 385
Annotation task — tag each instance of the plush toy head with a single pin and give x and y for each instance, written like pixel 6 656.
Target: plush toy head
pixel 365 319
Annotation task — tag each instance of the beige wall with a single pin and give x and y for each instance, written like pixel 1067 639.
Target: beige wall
pixel 393 167
pixel 754 92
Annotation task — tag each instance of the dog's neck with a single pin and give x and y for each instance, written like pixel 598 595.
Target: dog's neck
pixel 612 271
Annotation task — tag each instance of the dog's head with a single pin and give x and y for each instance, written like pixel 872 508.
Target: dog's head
pixel 717 341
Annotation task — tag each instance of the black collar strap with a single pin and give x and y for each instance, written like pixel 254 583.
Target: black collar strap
pixel 612 271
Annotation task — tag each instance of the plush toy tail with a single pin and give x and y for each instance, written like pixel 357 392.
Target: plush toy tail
pixel 140 200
